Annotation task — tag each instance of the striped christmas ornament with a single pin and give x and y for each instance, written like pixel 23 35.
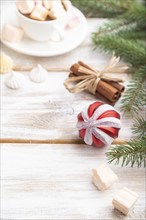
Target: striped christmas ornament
pixel 99 124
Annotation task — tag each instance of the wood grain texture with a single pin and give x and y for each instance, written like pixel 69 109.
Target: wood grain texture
pixel 54 182
pixel 46 111
pixel 43 112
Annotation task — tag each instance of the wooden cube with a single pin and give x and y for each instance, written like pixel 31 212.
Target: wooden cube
pixel 103 177
pixel 124 200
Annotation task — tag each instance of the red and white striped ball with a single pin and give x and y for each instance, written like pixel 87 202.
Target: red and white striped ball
pixel 99 124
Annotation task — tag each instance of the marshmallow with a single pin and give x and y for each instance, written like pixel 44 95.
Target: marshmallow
pixel 103 177
pixel 38 2
pixel 65 5
pixel 39 13
pixel 51 15
pixel 124 200
pixel 73 22
pixel 12 33
pixel 56 4
pixel 58 12
pixel 25 6
pixel 52 4
pixel 47 4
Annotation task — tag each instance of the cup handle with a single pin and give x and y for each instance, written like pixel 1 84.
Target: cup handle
pixel 57 34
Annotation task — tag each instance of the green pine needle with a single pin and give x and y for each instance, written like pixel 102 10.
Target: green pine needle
pixel 139 127
pixel 133 153
pixel 136 12
pixel 132 52
pixel 126 36
pixel 132 35
pixel 102 8
pixel 134 98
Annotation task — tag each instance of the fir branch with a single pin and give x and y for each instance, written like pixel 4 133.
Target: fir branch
pixel 132 35
pixel 111 27
pixel 139 127
pixel 122 28
pixel 134 99
pixel 124 48
pixel 102 8
pixel 136 13
pixel 124 35
pixel 134 153
pixel 132 32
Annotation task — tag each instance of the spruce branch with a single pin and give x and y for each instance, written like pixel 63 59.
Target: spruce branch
pixel 111 27
pixel 134 98
pixel 136 13
pixel 122 28
pixel 134 153
pixel 125 35
pixel 139 127
pixel 102 8
pixel 132 35
pixel 124 48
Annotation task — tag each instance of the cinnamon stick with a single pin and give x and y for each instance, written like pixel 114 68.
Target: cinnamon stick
pixel 87 66
pixel 99 94
pixel 109 92
pixel 101 97
pixel 118 86
pixel 78 69
pixel 105 91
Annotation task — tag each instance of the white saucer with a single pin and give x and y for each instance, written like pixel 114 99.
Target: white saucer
pixel 73 37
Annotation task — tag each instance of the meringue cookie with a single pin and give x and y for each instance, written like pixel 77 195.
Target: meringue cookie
pixel 13 81
pixel 6 63
pixel 38 74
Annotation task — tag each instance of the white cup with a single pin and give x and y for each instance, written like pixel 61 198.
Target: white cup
pixel 52 30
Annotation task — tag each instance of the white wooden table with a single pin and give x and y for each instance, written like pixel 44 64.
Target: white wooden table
pixel 45 170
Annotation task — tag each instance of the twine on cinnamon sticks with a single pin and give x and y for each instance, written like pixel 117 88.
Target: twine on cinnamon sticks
pixel 83 77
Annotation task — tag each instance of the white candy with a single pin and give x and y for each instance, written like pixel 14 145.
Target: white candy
pixel 12 33
pixel 103 177
pixel 25 6
pixel 39 13
pixel 13 81
pixel 124 200
pixel 38 74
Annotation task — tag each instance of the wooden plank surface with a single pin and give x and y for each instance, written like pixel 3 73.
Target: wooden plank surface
pixel 54 182
pixel 48 111
pixel 45 111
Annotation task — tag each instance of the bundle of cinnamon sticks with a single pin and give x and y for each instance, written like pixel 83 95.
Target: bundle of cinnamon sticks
pixel 83 77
